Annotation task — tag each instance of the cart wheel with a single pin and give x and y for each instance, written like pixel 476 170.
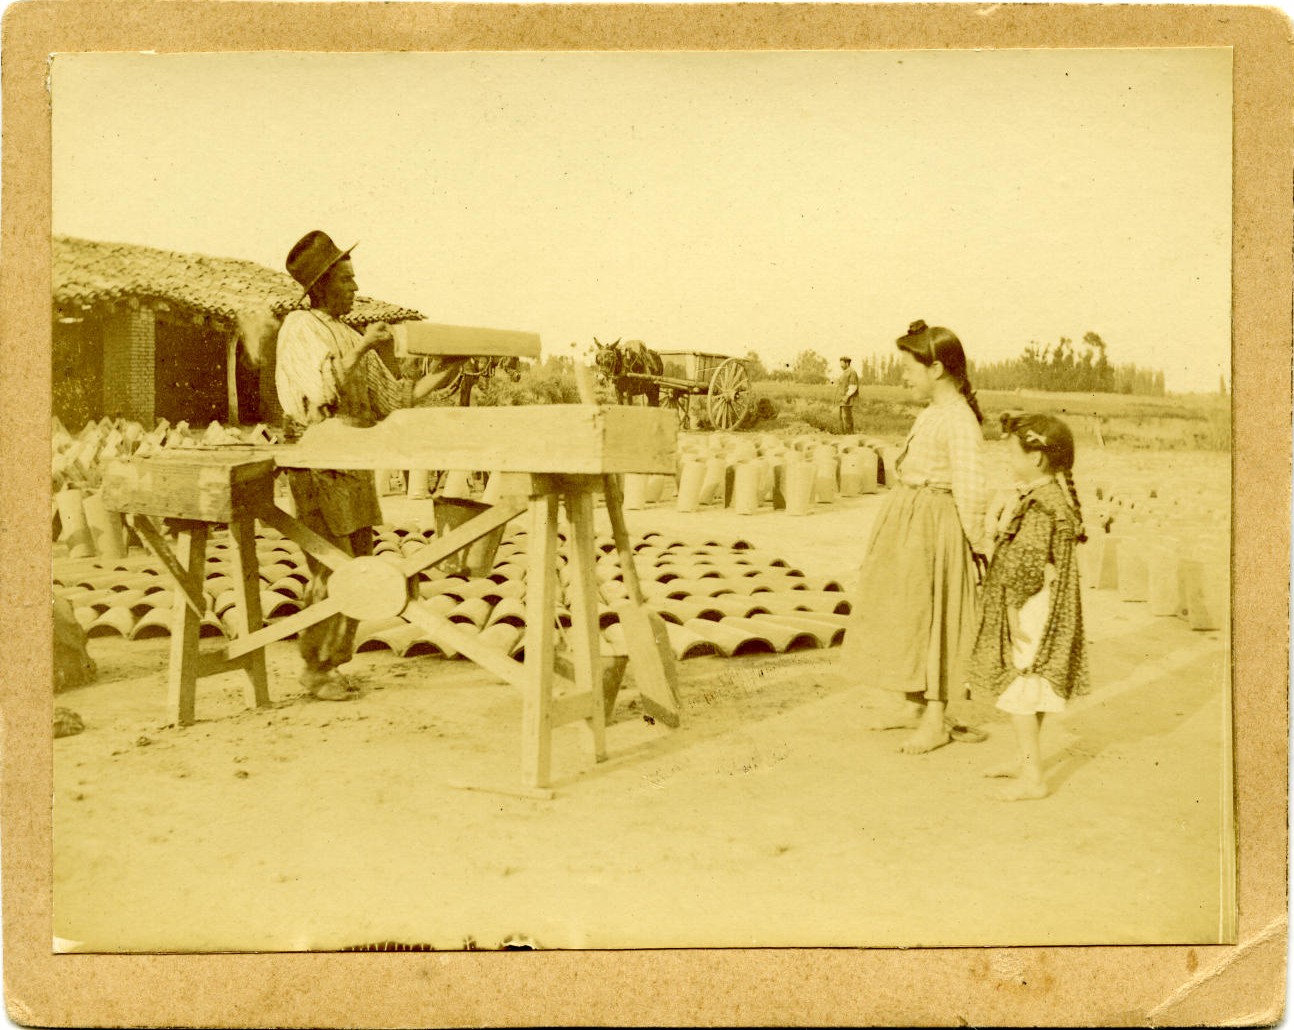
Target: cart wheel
pixel 728 402
pixel 678 401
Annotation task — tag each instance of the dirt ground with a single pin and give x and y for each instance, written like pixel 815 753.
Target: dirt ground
pixel 770 818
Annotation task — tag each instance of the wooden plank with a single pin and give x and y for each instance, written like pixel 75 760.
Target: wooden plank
pixel 586 657
pixel 455 540
pixel 284 627
pixel 182 675
pixel 563 438
pixel 318 547
pixel 575 707
pixel 650 655
pixel 212 663
pixel 205 486
pixel 530 793
pixel 442 631
pixel 156 542
pixel 247 607
pixel 541 602
pixel 419 338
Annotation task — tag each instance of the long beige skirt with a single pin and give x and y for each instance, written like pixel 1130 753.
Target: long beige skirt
pixel 914 613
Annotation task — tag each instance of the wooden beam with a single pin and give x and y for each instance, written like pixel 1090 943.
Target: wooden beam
pixel 156 543
pixel 231 377
pixel 440 629
pixel 540 438
pixel 299 533
pixel 182 677
pixel 650 656
pixel 283 627
pixel 537 684
pixel 455 540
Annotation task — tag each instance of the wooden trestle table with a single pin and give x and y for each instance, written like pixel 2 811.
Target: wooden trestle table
pixel 571 453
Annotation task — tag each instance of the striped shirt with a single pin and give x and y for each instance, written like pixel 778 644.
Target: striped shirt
pixel 307 374
pixel 945 449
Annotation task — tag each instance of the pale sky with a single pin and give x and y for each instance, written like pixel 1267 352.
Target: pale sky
pixel 721 202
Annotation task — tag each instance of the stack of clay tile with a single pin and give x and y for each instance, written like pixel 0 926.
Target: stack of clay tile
pixel 749 472
pixel 1160 548
pixel 85 527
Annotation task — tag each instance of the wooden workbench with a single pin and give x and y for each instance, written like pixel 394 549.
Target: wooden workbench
pixel 571 453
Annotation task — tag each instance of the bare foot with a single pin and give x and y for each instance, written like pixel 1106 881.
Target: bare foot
pixel 312 678
pixel 326 685
pixel 877 720
pixel 1006 770
pixel 1024 790
pixel 903 716
pixel 332 692
pixel 925 739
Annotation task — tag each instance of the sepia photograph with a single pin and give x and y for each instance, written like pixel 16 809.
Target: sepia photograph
pixel 641 500
pixel 645 514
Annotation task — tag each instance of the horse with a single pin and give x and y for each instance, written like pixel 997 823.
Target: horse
pixel 618 363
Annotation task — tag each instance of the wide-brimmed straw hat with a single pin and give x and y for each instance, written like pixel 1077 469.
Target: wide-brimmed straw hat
pixel 312 256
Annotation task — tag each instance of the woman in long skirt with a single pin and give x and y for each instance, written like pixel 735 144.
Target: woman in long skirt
pixel 914 617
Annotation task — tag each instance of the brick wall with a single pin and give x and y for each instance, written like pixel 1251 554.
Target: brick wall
pixel 128 349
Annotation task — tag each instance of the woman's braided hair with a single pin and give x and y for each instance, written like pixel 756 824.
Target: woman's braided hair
pixel 929 345
pixel 1052 438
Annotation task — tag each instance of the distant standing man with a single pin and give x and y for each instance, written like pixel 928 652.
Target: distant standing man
pixel 847 390
pixel 325 369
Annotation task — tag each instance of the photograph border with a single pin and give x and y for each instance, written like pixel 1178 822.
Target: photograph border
pixel 1124 985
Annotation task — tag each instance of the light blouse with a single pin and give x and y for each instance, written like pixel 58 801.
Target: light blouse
pixel 945 450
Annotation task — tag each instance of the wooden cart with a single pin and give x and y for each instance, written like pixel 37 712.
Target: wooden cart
pixel 570 454
pixel 723 381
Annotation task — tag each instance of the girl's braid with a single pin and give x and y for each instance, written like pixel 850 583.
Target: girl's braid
pixel 963 384
pixel 1068 477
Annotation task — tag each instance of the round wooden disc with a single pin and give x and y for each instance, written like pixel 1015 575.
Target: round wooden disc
pixel 369 588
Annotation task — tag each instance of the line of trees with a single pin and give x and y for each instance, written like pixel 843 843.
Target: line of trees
pixel 1062 367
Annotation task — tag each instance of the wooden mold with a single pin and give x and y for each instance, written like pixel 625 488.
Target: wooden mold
pixel 571 439
pixel 431 338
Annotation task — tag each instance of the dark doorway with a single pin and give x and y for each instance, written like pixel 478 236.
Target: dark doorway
pixel 77 371
pixel 189 370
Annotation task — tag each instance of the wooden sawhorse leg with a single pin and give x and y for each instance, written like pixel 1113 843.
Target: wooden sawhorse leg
pixel 187 567
pixel 586 642
pixel 537 678
pixel 541 712
pixel 182 679
pixel 247 594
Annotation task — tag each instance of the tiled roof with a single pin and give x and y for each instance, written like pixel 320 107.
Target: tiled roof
pixel 91 273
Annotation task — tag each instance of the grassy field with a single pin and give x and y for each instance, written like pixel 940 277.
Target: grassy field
pixel 1177 422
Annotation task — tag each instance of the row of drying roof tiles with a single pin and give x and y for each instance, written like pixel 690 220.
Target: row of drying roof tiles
pixel 694 629
pixel 138 604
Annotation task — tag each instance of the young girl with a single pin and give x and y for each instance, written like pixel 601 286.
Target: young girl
pixel 1029 650
pixel 914 617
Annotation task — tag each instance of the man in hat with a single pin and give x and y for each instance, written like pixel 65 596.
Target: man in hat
pixel 325 369
pixel 847 390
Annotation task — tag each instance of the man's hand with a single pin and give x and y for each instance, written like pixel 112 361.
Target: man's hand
pixel 375 334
